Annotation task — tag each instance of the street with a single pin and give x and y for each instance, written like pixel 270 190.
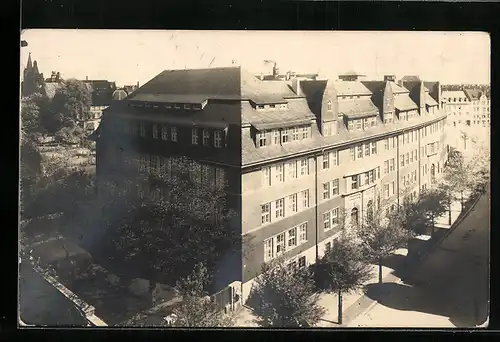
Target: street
pixel 449 289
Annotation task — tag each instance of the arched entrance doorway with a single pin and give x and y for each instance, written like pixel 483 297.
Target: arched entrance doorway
pixel 354 217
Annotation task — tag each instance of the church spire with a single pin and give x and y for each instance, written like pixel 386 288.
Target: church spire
pixel 29 66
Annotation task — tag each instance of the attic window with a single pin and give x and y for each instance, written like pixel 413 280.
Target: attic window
pixel 156 106
pixel 168 106
pixel 329 105
pixel 187 106
pixel 197 106
pixel 260 106
pixel 177 106
pixel 272 106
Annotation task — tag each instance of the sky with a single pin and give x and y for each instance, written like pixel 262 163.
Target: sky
pixel 131 56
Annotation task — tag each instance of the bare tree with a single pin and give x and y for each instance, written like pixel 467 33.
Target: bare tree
pixel 284 297
pixel 342 270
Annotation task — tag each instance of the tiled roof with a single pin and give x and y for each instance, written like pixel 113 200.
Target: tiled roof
pixel 351 88
pixel 231 83
pixel 396 89
pixel 358 108
pixel 298 111
pixel 50 89
pixel 404 102
pixel 429 100
pixel 168 98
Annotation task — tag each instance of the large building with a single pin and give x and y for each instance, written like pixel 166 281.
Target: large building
pixel 295 153
pixel 468 113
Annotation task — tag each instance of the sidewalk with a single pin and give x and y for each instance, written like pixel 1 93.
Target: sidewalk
pixel 354 304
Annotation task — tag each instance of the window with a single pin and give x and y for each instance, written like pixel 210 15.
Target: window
pixel 305 132
pixel 187 106
pixel 268 249
pixel 415 155
pixel 266 213
pixel 394 142
pixel 280 244
pixel 374 147
pixel 328 247
pixel 194 136
pixel 335 187
pixel 360 151
pixel 391 165
pixel 327 225
pixel 371 174
pixel 358 125
pixel 280 176
pixel 386 167
pixel 177 106
pixel 206 137
pixel 302 262
pixel 217 138
pixel 386 191
pixel 262 139
pixel 329 106
pixel 350 125
pixel 155 131
pixel 280 212
pixel 305 199
pixel 292 203
pixel 326 160
pixel 292 169
pixel 295 135
pixel 303 233
pixel 284 136
pixel 352 151
pixel 304 167
pixel 386 144
pixel 326 190
pixel 355 216
pixel 411 157
pixel 266 176
pixel 367 149
pixel 365 123
pixel 335 158
pixel 354 182
pixel 164 132
pixel 142 128
pixel 173 133
pixel 292 237
pixel 402 157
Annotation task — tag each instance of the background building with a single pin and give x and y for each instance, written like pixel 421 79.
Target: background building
pixel 296 153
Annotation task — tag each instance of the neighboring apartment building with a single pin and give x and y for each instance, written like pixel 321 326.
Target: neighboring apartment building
pixel 295 153
pixel 468 118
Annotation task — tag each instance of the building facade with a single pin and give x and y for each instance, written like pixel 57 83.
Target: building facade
pixel 295 153
pixel 468 119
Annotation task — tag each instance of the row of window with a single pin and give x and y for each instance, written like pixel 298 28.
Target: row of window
pixel 330 159
pixel 408 158
pixel 388 118
pixel 331 219
pixel 406 115
pixel 409 179
pixel 432 148
pixel 167 165
pixel 389 166
pixel 283 172
pixel 330 189
pixel 366 178
pixel 361 150
pixel 187 106
pixel 282 136
pixel 361 124
pixel 285 206
pixel 281 106
pixel 285 241
pixel 206 137
pixel 389 189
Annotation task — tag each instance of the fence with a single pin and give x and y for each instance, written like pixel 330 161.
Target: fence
pixel 224 298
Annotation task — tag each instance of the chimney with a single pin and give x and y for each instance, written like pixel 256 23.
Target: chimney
pixel 296 86
pixel 86 78
pixel 389 78
pixel 137 84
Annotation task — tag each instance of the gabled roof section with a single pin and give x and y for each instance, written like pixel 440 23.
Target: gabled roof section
pixel 396 89
pixel 374 86
pixel 429 100
pixel 230 83
pixel 351 88
pixel 358 108
pixel 404 103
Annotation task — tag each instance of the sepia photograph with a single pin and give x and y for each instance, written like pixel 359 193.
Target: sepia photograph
pixel 254 179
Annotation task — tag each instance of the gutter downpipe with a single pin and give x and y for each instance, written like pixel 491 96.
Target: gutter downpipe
pixel 316 202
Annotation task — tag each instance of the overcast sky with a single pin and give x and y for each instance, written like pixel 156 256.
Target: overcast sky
pixel 128 56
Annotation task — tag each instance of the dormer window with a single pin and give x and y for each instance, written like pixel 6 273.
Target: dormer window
pixel 187 106
pixel 156 106
pixel 329 106
pixel 272 106
pixel 260 106
pixel 177 106
pixel 197 106
pixel 261 139
pixel 168 106
pixel 283 106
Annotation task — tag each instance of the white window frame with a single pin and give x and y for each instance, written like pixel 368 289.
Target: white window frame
pixel 194 136
pixel 304 167
pixel 292 169
pixel 326 160
pixel 265 213
pixel 279 208
pixel 293 203
pixel 302 236
pixel 285 136
pixel 326 191
pixel 266 176
pixel 335 187
pixel 295 134
pixel 373 147
pixel 206 137
pixel 164 132
pixel 279 170
pixel 217 139
pixel 173 133
pixel 305 199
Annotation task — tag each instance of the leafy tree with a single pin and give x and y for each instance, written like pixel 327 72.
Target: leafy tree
pixel 283 297
pixel 196 308
pixel 433 203
pixel 70 106
pixel 164 223
pixel 342 270
pixel 380 235
pixel 478 169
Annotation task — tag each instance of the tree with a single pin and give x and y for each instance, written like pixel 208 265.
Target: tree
pixel 433 203
pixel 380 235
pixel 409 216
pixel 196 308
pixel 455 178
pixel 285 297
pixel 342 270
pixel 163 223
pixel 478 168
pixel 69 107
